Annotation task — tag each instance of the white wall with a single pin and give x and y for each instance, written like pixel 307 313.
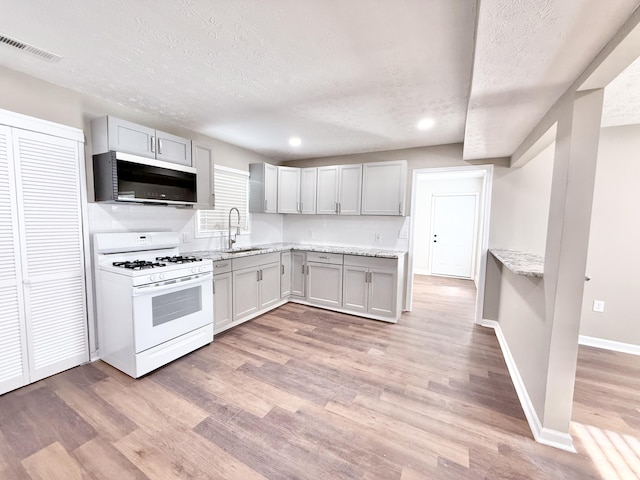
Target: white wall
pixel 347 230
pixel 520 205
pixel 613 262
pixel 427 186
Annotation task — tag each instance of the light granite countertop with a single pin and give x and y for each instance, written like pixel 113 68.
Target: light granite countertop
pixel 520 263
pixel 282 247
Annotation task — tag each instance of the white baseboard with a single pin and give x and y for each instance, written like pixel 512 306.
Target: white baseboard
pixel 609 345
pixel 541 434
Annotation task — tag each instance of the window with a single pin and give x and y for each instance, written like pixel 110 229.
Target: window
pixel 231 190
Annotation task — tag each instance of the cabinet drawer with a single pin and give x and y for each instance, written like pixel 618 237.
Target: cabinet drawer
pixel 255 260
pixel 319 257
pixel 221 266
pixel 371 262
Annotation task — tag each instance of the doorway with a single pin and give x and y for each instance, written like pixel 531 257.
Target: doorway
pixel 439 195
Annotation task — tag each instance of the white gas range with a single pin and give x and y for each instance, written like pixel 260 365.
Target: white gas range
pixel 153 305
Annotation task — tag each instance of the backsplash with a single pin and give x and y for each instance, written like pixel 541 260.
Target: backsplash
pixel 265 228
pixel 141 218
pixel 347 230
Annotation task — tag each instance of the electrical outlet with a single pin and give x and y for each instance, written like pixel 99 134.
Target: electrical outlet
pixel 404 234
pixel 186 237
pixel 598 306
pixel 378 237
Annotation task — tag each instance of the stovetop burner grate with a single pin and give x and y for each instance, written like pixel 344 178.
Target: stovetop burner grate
pixel 179 259
pixel 138 264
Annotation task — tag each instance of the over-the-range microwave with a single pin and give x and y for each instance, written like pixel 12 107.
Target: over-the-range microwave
pixel 122 177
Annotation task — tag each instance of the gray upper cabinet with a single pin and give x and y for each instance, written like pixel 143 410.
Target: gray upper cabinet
pixel 114 134
pixel 384 187
pixel 263 188
pixel 203 162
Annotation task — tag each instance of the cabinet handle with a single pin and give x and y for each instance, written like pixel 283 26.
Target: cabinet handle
pixel 213 200
pixel 301 207
pixel 153 144
pixel 339 207
pixel 214 286
pixel 336 208
pixel 303 269
pixel 400 208
pixel 257 275
pixel 281 269
pixel 321 256
pixel 307 269
pixel 159 146
pixel 366 277
pixel 260 274
pixel 221 265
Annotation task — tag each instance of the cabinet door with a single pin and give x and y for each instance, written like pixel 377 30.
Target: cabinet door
pixel 246 295
pixel 298 277
pixel 270 188
pixel 222 301
pixel 269 285
pixel 172 148
pixel 327 191
pixel 285 274
pixel 13 359
pixel 203 162
pixel 288 190
pixel 382 292
pixel 49 185
pixel 383 188
pixel 324 284
pixel 350 189
pixel 356 288
pixel 128 137
pixel 308 182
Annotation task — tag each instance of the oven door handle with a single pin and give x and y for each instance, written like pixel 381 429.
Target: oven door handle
pixel 150 289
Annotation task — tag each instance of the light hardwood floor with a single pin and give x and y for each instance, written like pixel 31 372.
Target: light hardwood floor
pixel 309 394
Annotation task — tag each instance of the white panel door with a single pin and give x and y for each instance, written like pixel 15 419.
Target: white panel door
pixel 350 189
pixel 222 301
pixel 14 371
pixel 308 180
pixel 269 285
pixel 383 188
pixel 327 190
pixel 246 294
pixel 356 288
pixel 48 183
pixel 288 190
pixel 452 235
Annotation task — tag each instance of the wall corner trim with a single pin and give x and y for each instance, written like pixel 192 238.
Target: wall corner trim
pixel 546 436
pixel 609 345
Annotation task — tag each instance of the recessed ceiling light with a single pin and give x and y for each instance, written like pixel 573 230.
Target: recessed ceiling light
pixel 295 141
pixel 426 123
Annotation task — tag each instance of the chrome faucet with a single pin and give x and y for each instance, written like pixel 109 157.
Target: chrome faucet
pixel 233 240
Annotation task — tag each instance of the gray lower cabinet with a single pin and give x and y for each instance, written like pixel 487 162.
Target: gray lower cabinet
pixel 222 301
pixel 246 297
pixel 285 274
pixel 256 284
pixel 298 274
pixel 269 285
pixel 371 285
pixel 324 283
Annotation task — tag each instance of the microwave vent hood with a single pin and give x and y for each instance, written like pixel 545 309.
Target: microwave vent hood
pixel 122 177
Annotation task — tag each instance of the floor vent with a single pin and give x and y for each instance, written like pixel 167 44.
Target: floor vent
pixel 25 47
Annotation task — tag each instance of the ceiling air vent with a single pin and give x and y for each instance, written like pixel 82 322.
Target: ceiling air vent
pixel 25 47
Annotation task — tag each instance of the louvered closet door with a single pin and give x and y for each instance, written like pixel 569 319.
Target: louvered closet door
pixel 13 351
pixel 48 184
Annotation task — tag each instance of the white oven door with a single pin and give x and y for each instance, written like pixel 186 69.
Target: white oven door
pixel 166 310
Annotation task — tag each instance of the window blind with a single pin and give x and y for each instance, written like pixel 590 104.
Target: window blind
pixel 231 188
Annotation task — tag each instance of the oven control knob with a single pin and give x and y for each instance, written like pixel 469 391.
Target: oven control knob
pixel 161 275
pixel 153 278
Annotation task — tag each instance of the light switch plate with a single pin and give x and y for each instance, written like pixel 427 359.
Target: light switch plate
pixel 598 306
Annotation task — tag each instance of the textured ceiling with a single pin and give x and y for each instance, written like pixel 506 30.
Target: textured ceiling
pixel 345 76
pixel 622 98
pixel 528 53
